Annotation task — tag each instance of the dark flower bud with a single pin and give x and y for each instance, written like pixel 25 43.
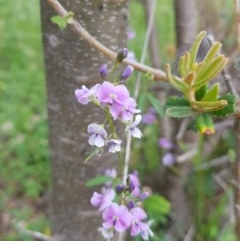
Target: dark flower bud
pixel 119 188
pixel 131 187
pixel 127 72
pixel 103 71
pixel 131 204
pixel 128 180
pixel 122 54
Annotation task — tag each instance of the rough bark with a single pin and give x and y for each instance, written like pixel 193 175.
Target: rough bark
pixel 70 63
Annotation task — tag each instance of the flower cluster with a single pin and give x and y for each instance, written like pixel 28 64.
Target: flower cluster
pixel 118 105
pixel 120 208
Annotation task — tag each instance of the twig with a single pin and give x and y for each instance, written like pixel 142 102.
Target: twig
pixel 33 234
pixel 190 234
pixel 82 33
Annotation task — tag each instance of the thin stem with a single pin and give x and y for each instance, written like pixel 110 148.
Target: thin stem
pixel 82 33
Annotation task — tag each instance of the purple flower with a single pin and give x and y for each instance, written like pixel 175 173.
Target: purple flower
pixel 134 130
pixel 149 117
pixel 117 217
pixel 84 94
pixel 98 134
pixel 103 71
pixel 168 159
pixel 102 200
pixel 137 226
pixel 122 54
pixel 114 145
pixel 135 181
pixel 108 94
pixel 125 110
pixel 131 34
pixel 165 143
pixel 143 196
pixel 146 232
pixel 126 73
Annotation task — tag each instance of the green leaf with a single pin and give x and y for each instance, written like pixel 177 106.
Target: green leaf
pixel 195 46
pixel 212 93
pixel 213 51
pixel 156 104
pixel 156 205
pixel 179 112
pixel 98 181
pixel 204 124
pixel 176 82
pixel 229 108
pixel 201 92
pixel 210 72
pixel 68 17
pixel 176 101
pixel 61 22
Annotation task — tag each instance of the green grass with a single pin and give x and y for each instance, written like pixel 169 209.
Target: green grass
pixel 24 162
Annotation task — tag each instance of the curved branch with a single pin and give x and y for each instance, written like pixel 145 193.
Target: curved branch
pixel 81 32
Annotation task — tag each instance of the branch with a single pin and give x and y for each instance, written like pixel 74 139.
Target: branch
pixel 82 33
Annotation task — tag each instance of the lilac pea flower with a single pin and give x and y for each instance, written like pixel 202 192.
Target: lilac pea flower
pixel 168 159
pixel 135 181
pixel 117 217
pixel 102 201
pixel 103 71
pixel 127 72
pixel 84 94
pixel 143 196
pixel 114 145
pixel 146 232
pixel 134 130
pixel 130 34
pixel 125 111
pixel 98 134
pixel 106 233
pixel 108 94
pixel 149 118
pixel 137 226
pixel 165 143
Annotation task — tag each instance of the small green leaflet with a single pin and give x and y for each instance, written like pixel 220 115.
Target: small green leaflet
pixel 229 109
pixel 98 181
pixel 157 205
pixel 179 112
pixel 62 21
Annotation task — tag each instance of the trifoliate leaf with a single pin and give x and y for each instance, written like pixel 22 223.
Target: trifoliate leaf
pixel 156 104
pixel 98 181
pixel 204 124
pixel 179 112
pixel 229 108
pixel 212 93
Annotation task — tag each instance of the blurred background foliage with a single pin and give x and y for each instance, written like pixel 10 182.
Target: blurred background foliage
pixel 25 164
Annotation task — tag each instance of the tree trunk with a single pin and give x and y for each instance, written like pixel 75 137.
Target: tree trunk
pixel 70 63
pixel 186 21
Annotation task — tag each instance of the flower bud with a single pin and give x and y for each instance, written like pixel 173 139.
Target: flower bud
pixel 103 71
pixel 119 188
pixel 127 72
pixel 131 204
pixel 122 54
